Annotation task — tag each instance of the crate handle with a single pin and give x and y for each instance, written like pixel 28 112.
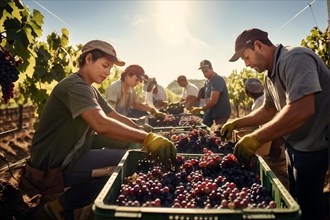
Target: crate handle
pixel 128 214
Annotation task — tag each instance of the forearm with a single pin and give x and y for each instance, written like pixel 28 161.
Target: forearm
pixel 208 105
pixel 142 107
pixel 290 118
pixel 119 131
pixel 256 118
pixel 190 101
pixel 122 118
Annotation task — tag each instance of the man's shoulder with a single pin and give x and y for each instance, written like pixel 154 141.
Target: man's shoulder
pixel 290 50
pixel 115 85
pixel 70 81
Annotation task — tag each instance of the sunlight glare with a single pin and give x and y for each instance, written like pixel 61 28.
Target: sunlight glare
pixel 171 17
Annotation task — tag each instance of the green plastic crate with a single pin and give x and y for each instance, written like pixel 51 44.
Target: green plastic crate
pixel 149 120
pixel 104 206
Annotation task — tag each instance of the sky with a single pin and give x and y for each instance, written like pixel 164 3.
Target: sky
pixel 169 38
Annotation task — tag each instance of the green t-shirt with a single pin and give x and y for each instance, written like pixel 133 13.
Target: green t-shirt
pixel 61 128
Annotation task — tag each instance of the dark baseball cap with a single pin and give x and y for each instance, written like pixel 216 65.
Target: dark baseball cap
pixel 205 64
pixel 106 48
pixel 245 38
pixel 253 85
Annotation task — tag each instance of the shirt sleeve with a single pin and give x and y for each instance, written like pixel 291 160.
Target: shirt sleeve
pixel 300 76
pixel 192 91
pixel 80 98
pixel 218 84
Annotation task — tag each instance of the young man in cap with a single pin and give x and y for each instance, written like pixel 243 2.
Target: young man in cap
pixel 122 96
pixel 217 108
pixel 296 107
pixel 189 97
pixel 74 115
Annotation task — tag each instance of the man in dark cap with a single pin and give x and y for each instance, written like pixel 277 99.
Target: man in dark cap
pixel 217 107
pixel 296 106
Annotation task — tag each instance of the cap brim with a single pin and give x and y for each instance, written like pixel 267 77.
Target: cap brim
pixel 237 55
pixel 117 61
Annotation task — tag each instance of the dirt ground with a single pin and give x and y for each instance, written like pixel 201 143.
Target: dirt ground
pixel 15 147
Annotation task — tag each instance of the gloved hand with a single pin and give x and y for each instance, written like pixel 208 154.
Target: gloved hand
pixel 196 110
pixel 227 130
pixel 146 128
pixel 157 114
pixel 160 147
pixel 246 147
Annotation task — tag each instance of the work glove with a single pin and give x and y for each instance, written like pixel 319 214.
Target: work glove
pixel 146 128
pixel 196 110
pixel 246 147
pixel 227 130
pixel 160 148
pixel 157 114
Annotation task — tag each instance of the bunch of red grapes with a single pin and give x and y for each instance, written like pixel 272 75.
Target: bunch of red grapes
pixel 8 74
pixel 188 121
pixel 209 181
pixel 168 121
pixel 198 141
pixel 174 120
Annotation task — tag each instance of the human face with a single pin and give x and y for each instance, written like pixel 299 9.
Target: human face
pixel 254 59
pixel 207 73
pixel 98 70
pixel 182 83
pixel 132 80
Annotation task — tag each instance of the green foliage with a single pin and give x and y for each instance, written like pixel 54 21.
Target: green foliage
pixel 171 96
pixel 46 63
pixel 21 30
pixel 53 62
pixel 318 41
pixel 236 90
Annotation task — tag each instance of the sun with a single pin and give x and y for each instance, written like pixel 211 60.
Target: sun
pixel 171 21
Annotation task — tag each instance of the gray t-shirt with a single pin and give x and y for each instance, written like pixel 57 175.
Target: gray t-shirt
pixel 298 72
pixel 61 127
pixel 222 108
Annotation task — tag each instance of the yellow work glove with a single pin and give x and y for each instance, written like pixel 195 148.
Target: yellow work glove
pixel 196 110
pixel 157 114
pixel 227 130
pixel 160 148
pixel 246 148
pixel 146 128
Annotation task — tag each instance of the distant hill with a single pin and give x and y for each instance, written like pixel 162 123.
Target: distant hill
pixel 175 88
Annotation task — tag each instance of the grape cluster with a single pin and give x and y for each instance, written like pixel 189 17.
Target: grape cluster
pixel 197 141
pixel 197 182
pixel 8 74
pixel 189 121
pixel 174 108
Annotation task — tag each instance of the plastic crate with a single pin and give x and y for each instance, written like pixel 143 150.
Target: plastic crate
pixel 156 123
pixel 104 206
